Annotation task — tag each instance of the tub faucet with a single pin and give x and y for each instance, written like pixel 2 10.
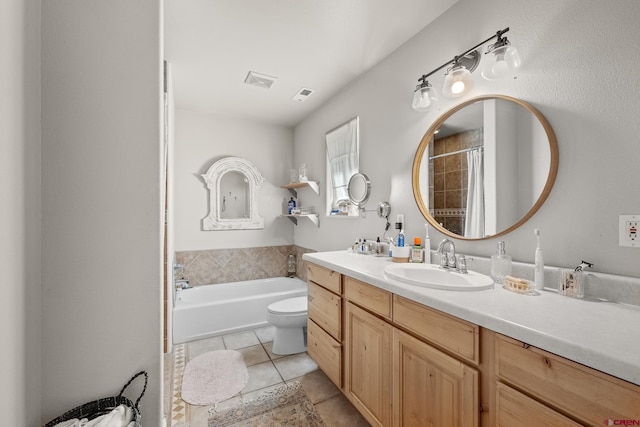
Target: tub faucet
pixel 447 259
pixel 182 284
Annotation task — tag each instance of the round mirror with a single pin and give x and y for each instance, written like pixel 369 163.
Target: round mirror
pixel 485 167
pixel 358 189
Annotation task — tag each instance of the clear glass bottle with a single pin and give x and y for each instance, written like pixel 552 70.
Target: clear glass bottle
pixel 291 266
pixel 500 264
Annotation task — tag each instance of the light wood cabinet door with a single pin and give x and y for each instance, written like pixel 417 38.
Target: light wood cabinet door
pixel 431 388
pixel 368 364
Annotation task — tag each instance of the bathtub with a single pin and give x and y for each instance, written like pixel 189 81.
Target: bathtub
pixel 210 310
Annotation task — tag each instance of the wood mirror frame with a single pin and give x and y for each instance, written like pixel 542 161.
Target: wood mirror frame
pixel 429 136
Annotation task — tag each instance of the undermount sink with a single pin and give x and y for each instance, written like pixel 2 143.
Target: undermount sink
pixel 432 276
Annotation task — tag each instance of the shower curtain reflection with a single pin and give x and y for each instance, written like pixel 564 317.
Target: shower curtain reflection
pixel 474 221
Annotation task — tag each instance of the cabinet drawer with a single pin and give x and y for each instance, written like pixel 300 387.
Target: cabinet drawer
pixel 515 409
pixel 325 308
pixel 373 299
pixel 453 334
pixel 324 277
pixel 584 393
pixel 325 351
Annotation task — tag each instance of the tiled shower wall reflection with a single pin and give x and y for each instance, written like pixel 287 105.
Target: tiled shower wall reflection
pixel 450 176
pixel 208 267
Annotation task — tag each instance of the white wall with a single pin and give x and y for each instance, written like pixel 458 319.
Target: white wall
pixel 201 139
pixel 580 62
pixel 20 241
pixel 101 139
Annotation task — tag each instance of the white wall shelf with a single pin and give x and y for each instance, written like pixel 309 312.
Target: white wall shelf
pixel 295 185
pixel 292 187
pixel 312 217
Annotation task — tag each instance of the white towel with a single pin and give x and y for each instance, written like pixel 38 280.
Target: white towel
pixel 121 416
pixel 71 423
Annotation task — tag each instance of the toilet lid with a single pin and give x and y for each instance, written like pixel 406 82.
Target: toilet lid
pixel 289 306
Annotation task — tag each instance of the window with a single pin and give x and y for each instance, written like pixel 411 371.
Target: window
pixel 342 163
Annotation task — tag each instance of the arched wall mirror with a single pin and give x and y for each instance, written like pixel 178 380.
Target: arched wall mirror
pixel 233 184
pixel 485 167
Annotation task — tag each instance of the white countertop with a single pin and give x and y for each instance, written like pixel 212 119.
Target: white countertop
pixel 602 335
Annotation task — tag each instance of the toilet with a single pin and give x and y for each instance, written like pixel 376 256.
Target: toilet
pixel 289 316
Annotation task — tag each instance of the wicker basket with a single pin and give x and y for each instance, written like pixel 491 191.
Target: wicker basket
pixel 96 408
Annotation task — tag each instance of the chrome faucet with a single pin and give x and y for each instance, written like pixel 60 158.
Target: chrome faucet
pixel 182 284
pixel 447 259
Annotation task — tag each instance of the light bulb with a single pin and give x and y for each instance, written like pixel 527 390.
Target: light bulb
pixel 423 98
pixel 501 62
pixel 457 87
pixel 457 82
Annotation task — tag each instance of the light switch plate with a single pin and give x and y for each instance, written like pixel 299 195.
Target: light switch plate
pixel 629 231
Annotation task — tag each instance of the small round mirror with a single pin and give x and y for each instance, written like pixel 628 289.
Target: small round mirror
pixel 359 188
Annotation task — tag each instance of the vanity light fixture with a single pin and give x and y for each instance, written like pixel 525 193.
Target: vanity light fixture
pixel 502 61
pixel 424 96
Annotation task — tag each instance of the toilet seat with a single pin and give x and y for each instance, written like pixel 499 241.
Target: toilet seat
pixel 289 306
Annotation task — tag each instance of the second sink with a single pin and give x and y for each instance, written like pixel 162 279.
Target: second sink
pixel 432 276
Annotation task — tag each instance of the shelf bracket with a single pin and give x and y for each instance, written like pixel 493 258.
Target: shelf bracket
pixel 314 186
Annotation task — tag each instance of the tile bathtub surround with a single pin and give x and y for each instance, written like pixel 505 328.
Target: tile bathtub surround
pixel 267 372
pixel 208 267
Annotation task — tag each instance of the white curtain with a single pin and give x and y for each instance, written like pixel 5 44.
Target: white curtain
pixel 342 157
pixel 474 222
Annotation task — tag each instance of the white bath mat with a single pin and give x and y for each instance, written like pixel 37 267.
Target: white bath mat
pixel 213 377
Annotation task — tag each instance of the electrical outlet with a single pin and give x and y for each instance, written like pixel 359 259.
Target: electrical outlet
pixel 629 231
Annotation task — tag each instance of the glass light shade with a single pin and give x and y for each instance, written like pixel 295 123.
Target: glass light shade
pixel 457 82
pixel 424 98
pixel 501 63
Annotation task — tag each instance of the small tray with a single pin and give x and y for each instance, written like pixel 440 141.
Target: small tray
pixel 517 285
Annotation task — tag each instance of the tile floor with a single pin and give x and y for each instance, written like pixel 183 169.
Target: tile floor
pixel 267 371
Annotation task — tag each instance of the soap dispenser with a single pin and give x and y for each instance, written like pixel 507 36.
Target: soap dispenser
pixel 500 264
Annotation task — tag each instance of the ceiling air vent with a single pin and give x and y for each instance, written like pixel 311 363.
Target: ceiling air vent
pixel 260 80
pixel 303 94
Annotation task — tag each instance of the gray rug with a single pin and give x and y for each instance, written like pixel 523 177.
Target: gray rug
pixel 286 406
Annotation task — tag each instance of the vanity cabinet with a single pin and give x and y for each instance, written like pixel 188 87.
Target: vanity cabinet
pixel 579 392
pixel 395 378
pixel 404 364
pixel 324 327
